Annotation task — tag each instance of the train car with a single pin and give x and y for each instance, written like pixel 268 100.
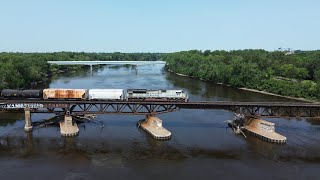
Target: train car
pixel 106 94
pixel 156 95
pixel 175 95
pixel 65 94
pixel 136 94
pixel 21 94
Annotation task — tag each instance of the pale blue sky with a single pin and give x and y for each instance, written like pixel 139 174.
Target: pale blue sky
pixel 157 25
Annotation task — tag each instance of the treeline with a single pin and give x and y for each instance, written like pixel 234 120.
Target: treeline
pixel 295 74
pixel 22 70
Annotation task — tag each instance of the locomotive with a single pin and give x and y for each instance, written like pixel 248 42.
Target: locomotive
pixel 96 94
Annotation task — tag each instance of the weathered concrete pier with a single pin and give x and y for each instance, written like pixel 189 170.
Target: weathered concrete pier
pixel 27 116
pixel 264 130
pixel 68 127
pixel 153 125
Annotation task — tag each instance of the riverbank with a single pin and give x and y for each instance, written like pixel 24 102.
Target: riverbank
pixel 272 94
pixel 246 89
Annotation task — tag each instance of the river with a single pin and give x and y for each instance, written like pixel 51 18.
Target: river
pixel 112 147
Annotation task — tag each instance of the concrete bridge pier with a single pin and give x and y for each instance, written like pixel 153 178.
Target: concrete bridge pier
pixel 153 125
pixel 264 130
pixel 27 117
pixel 68 127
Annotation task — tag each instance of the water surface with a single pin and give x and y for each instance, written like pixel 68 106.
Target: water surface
pixel 200 148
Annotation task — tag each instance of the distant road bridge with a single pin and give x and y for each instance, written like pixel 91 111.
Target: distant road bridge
pixel 91 63
pixel 253 109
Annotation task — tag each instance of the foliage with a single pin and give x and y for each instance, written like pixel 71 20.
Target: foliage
pixel 296 75
pixel 22 70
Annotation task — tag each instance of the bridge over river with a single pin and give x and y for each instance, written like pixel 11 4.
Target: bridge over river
pixel 256 109
pixel 70 108
pixel 92 63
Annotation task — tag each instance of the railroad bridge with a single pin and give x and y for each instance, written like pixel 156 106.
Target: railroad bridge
pixel 256 109
pixel 151 108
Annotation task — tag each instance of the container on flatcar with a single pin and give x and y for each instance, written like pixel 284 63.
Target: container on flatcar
pixel 28 94
pixel 65 94
pixel 106 94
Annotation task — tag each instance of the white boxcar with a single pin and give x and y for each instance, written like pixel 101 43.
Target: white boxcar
pixel 106 94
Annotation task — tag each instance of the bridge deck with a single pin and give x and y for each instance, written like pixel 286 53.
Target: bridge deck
pixel 190 104
pixel 270 109
pixel 165 102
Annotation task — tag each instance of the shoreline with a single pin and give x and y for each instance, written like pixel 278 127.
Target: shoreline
pixel 248 89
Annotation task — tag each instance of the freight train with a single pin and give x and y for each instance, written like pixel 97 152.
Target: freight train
pixel 96 94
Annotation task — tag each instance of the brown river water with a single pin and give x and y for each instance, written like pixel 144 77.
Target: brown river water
pixel 113 147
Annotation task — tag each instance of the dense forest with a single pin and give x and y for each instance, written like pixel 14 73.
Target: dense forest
pixel 295 74
pixel 285 73
pixel 22 70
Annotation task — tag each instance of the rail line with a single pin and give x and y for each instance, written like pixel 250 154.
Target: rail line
pixel 258 109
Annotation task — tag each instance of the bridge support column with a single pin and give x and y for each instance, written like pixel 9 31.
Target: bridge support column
pixel 264 130
pixel 27 117
pixel 153 125
pixel 67 127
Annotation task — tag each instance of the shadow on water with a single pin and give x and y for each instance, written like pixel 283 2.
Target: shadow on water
pixel 75 150
pixel 283 152
pixel 314 121
pixel 71 149
pixel 10 118
pixel 216 154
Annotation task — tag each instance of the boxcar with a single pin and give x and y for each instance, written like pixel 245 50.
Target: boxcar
pixel 106 94
pixel 65 94
pixel 22 94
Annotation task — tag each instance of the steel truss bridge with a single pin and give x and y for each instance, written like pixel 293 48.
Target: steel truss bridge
pixel 253 109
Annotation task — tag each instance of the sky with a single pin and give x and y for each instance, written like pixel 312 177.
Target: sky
pixel 158 25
